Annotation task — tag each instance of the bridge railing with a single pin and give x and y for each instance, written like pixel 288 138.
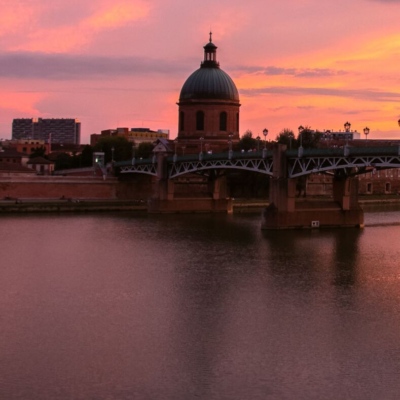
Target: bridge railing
pixel 196 157
pixel 340 151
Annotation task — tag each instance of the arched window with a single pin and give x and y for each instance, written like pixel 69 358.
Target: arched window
pixel 181 121
pixel 237 122
pixel 200 121
pixel 222 121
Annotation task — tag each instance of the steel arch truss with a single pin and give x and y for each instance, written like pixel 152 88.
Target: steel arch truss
pixel 261 165
pixel 304 166
pixel 147 169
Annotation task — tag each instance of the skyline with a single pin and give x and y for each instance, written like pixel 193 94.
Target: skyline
pixel 122 63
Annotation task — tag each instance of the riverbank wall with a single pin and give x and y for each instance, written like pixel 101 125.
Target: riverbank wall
pixel 96 194
pixel 70 205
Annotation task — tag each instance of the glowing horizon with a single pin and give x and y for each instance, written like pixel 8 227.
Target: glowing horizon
pixel 122 63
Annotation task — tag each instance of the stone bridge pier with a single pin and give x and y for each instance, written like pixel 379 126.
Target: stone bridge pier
pixel 287 210
pixel 165 198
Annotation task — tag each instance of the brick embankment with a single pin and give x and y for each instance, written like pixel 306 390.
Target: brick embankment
pixel 254 205
pixel 69 205
pixel 52 187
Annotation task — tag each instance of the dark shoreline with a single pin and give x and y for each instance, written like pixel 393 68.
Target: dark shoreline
pixel 114 205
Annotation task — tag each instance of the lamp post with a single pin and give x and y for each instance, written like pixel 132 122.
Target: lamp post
pixel 230 145
pixel 265 133
pixel 49 146
pixel 175 154
pixel 366 132
pixel 258 143
pixel 347 127
pixel 183 149
pixel 133 154
pixel 112 154
pixel 201 149
pixel 300 150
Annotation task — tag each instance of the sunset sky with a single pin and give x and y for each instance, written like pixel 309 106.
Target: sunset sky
pixel 122 63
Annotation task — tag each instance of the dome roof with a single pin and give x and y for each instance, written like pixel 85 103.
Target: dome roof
pixel 209 83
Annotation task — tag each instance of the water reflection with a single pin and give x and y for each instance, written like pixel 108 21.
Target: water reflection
pixel 346 257
pixel 197 306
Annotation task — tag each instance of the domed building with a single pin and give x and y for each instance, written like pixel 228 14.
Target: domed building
pixel 208 107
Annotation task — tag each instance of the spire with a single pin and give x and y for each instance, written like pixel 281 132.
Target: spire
pixel 210 55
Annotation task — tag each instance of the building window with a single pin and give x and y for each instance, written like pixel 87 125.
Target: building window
pixel 369 188
pixel 237 122
pixel 223 117
pixel 181 121
pixel 388 187
pixel 200 121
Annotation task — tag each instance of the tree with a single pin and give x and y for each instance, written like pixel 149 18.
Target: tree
pixel 247 142
pixel 38 152
pixel 86 157
pixel 286 136
pixel 308 138
pixel 144 150
pixel 117 147
pixel 63 161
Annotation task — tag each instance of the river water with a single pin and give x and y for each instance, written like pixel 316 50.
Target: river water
pixel 137 306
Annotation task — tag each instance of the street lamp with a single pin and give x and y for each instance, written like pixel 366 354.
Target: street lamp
pixel 133 154
pixel 258 143
pixel 112 154
pixel 230 145
pixel 366 132
pixel 265 133
pixel 347 127
pixel 201 149
pixel 176 144
pixel 49 143
pixel 300 150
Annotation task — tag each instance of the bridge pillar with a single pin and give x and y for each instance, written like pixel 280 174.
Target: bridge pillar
pixel 217 186
pixel 345 192
pixel 164 200
pixel 284 212
pixel 282 190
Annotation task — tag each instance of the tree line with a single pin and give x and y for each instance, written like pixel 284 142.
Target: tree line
pixel 116 148
pixel 306 138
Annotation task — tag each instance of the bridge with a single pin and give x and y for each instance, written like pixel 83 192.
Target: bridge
pixel 283 166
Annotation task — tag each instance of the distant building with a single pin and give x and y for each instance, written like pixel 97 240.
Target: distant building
pixel 28 146
pixel 41 165
pixel 340 135
pixel 134 135
pixel 208 107
pixel 56 130
pixel 12 156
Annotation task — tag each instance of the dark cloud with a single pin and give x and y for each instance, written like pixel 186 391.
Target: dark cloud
pixel 296 72
pixel 69 67
pixel 365 94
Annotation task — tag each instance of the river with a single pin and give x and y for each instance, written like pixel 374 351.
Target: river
pixel 135 306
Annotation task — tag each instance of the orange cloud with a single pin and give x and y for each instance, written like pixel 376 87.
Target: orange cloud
pixel 23 103
pixel 118 14
pixel 13 16
pixel 66 38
